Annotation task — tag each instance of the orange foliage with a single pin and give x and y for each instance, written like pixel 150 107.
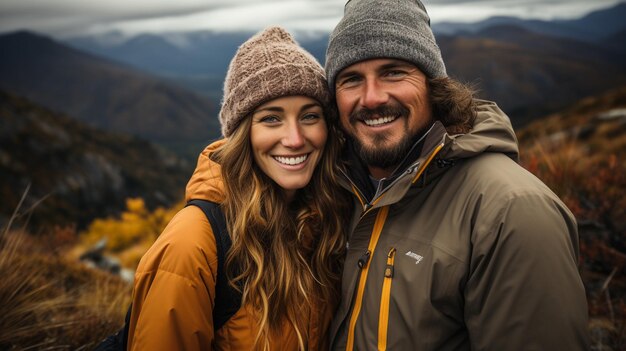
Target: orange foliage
pixel 593 186
pixel 130 235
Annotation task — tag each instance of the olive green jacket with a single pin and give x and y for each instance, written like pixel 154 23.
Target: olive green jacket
pixel 462 250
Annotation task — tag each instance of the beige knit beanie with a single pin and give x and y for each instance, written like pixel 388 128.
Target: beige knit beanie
pixel 267 66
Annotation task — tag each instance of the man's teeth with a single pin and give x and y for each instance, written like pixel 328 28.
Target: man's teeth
pixel 379 121
pixel 291 160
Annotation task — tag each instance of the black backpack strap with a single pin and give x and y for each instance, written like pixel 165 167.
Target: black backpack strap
pixel 125 330
pixel 117 341
pixel 227 299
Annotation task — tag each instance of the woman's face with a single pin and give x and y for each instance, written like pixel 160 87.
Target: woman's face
pixel 288 135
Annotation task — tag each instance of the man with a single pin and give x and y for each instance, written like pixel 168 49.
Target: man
pixel 453 245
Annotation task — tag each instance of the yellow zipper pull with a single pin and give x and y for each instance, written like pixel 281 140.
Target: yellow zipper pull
pixel 362 262
pixel 389 267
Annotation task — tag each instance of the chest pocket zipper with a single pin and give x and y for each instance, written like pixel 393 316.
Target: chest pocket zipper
pixel 383 318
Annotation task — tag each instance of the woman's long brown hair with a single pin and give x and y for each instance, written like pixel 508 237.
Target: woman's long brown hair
pixel 286 257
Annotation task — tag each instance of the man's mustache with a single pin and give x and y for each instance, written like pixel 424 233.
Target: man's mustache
pixel 393 109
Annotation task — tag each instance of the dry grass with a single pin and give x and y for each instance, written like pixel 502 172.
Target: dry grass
pixel 49 303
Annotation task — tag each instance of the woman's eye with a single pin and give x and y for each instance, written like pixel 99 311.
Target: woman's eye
pixel 269 119
pixel 311 117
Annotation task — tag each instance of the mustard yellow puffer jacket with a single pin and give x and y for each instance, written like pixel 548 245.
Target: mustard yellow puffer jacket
pixel 174 287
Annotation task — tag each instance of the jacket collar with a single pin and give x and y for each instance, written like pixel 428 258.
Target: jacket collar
pixel 357 174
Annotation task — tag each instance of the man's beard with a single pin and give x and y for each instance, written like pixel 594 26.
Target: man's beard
pixel 378 154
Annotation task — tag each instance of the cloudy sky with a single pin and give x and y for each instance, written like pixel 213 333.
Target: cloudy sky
pixel 67 18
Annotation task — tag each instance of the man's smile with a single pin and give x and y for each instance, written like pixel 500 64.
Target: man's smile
pixel 374 122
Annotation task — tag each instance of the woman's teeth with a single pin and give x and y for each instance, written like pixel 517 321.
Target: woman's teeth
pixel 291 160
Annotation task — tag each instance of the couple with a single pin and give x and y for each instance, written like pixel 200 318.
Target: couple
pixel 419 231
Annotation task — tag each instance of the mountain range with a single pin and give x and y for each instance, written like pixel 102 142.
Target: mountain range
pixel 593 27
pixel 529 67
pixel 101 92
pixel 531 74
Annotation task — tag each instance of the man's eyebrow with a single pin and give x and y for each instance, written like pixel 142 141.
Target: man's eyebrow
pixel 395 64
pixel 346 73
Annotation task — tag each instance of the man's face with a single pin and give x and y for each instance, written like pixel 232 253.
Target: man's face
pixel 383 106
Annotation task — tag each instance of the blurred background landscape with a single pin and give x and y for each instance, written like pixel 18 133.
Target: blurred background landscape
pixel 102 119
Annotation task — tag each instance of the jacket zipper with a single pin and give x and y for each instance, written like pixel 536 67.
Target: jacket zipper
pixel 421 168
pixel 428 160
pixel 355 189
pixel 378 226
pixel 363 264
pixel 383 318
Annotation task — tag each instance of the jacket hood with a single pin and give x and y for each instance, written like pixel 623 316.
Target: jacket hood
pixel 206 183
pixel 492 132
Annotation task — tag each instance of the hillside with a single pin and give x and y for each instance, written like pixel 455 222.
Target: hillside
pixel 580 153
pixel 599 121
pixel 102 93
pixel 530 74
pixel 77 172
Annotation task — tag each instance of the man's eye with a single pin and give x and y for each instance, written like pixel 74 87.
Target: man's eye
pixel 349 80
pixel 395 73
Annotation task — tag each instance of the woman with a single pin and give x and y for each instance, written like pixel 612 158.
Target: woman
pixel 274 177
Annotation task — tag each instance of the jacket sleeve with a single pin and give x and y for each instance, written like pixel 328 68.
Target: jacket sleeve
pixel 524 291
pixel 174 288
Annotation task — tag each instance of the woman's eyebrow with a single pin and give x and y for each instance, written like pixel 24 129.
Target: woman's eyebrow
pixel 270 109
pixel 309 106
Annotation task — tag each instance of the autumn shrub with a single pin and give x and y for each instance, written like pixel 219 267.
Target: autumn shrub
pixel 592 184
pixel 132 233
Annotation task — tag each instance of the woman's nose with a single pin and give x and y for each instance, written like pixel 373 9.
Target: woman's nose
pixel 293 137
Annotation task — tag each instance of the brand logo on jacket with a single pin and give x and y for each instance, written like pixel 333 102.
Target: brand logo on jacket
pixel 416 257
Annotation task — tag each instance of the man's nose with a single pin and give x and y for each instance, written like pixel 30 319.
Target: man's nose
pixel 293 137
pixel 373 94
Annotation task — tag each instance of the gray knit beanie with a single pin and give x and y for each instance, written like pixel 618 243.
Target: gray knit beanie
pixel 267 66
pixel 383 29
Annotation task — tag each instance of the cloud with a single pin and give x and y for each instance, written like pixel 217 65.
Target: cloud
pixel 66 17
pixel 475 10
pixel 63 18
pixel 313 15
